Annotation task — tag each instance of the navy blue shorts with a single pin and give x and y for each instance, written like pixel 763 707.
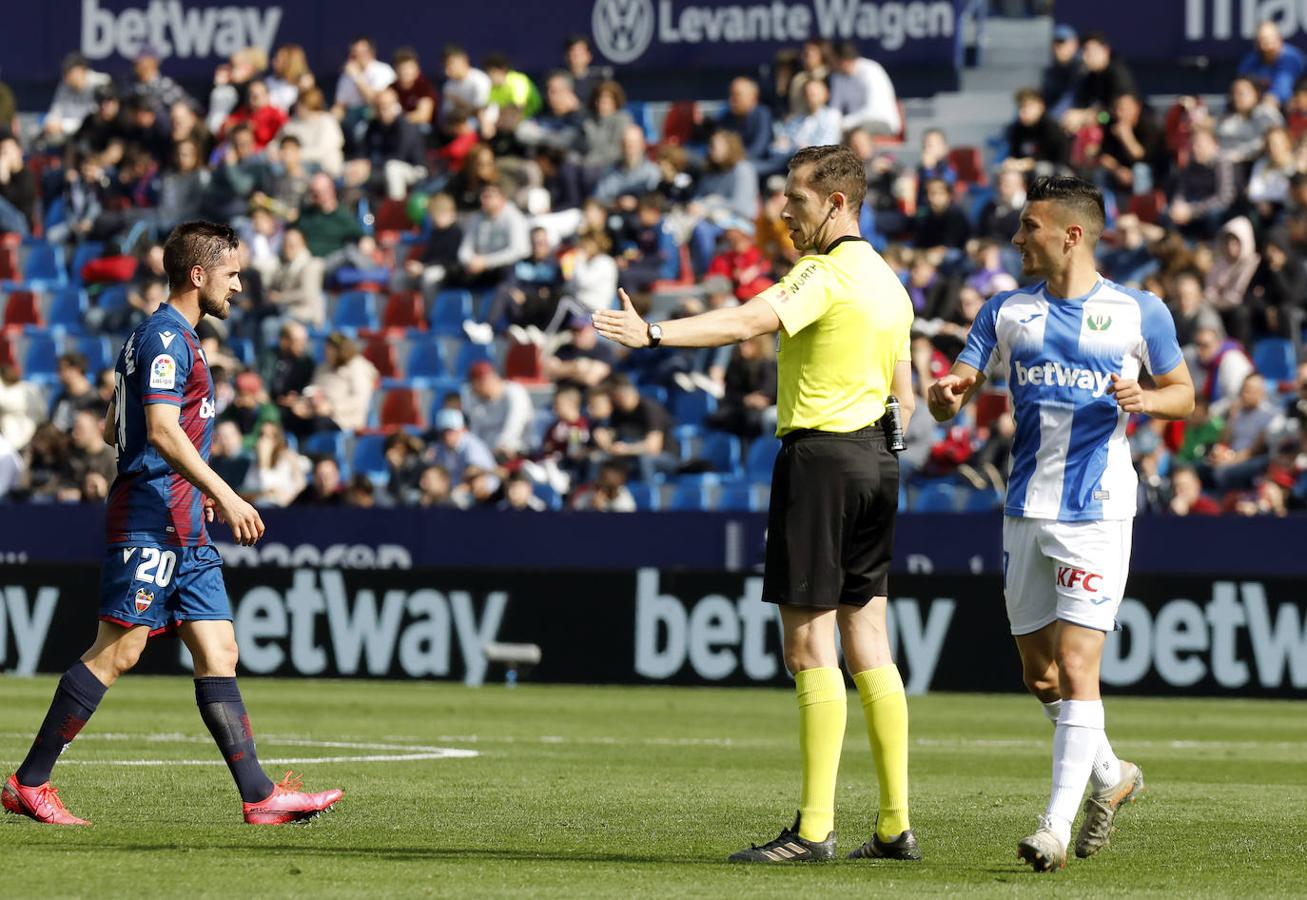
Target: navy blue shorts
pixel 162 586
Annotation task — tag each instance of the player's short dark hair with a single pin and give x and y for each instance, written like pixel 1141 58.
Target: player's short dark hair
pixel 1079 197
pixel 193 244
pixel 834 168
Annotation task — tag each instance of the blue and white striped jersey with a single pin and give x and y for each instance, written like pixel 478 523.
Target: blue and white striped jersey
pixel 1071 460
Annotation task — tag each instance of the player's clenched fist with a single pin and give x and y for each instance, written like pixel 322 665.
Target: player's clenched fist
pixel 1129 395
pixel 946 395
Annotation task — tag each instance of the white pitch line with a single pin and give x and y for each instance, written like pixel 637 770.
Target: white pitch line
pixel 437 753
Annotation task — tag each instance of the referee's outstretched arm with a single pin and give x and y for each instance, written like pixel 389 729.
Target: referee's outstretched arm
pixel 711 329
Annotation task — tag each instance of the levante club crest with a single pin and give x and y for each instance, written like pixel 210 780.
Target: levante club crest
pixel 143 600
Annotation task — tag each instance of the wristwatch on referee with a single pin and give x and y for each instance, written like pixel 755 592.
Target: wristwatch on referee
pixel 655 334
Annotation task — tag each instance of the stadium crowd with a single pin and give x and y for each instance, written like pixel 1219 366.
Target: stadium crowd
pixel 423 245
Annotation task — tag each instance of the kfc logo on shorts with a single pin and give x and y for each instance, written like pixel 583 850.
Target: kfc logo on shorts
pixel 1070 577
pixel 143 600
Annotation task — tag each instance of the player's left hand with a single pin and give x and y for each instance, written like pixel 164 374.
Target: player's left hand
pixel 624 326
pixel 209 509
pixel 1129 395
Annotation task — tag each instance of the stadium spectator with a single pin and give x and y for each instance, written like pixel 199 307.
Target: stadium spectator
pixel 466 88
pixel 289 372
pixel 229 81
pixel 1268 182
pixel 295 286
pixel 88 454
pixel 394 146
pixel 250 409
pixel 149 83
pixel 456 449
pixel 346 380
pixel 437 257
pixel 265 119
pixel 527 298
pixel 1202 188
pixel 1243 451
pixel 230 458
pixel 728 186
pixel 1273 65
pixel 360 492
pixel 1234 262
pixel 816 122
pixel 290 75
pixel 11 468
pixel 814 65
pixel 287 180
pixel 509 87
pixel 417 96
pixel 84 192
pixel 329 229
pixel 318 132
pixel 498 412
pixel 494 240
pixel 632 175
pixel 434 488
pixel 748 118
pixel 608 493
pixel 749 384
pixel 603 129
pixel 74 99
pixel 185 124
pixel 403 454
pixel 567 443
pixel 1133 152
pixel 1190 309
pixel 579 61
pixel 17 188
pixel 593 282
pixel 934 294
pixel 1187 497
pixel 1222 365
pixel 1001 214
pixel 1061 77
pixel 242 173
pixel 1035 141
pixel 100 130
pixel 1105 78
pixel 324 487
pixel 77 394
pixel 585 360
pixel 361 79
pixel 941 222
pixel 1278 290
pixel 638 431
pixel 647 247
pixel 519 494
pixel 741 260
pixel 46 460
pixel 278 473
pixel 861 91
pixel 559 125
pixel 934 163
pixel 1241 132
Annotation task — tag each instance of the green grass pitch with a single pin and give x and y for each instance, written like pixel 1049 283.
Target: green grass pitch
pixel 634 792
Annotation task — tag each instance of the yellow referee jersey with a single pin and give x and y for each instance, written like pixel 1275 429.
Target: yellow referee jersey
pixel 845 322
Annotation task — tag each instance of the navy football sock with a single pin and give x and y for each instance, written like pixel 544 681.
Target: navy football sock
pixel 223 711
pixel 77 696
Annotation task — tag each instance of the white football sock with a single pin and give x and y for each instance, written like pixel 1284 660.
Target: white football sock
pixel 1076 740
pixel 1107 768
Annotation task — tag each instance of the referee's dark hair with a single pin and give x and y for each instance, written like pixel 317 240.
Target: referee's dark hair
pixel 834 168
pixel 195 244
pixel 1081 197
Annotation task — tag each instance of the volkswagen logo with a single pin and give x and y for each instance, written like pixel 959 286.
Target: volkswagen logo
pixel 623 28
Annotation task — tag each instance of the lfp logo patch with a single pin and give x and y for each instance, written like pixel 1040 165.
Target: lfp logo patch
pixel 163 372
pixel 143 600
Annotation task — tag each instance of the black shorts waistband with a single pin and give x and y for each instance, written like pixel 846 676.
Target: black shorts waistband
pixel 872 432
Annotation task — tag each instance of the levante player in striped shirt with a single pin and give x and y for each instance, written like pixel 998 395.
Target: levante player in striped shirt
pixel 160 571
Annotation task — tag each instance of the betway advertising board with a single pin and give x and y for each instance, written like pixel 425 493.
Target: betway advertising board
pixel 949 633
pixel 1170 30
pixel 192 36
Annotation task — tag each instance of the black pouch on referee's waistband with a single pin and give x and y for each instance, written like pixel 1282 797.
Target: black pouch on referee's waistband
pixel 892 424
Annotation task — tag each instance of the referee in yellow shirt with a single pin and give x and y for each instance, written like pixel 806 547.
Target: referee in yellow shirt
pixel 844 320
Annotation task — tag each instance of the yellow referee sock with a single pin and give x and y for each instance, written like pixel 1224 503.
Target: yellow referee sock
pixel 885 707
pixel 823 711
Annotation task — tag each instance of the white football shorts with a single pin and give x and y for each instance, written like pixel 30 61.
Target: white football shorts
pixel 1073 571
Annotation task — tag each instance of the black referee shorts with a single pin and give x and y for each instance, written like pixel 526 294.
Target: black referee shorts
pixel 830 525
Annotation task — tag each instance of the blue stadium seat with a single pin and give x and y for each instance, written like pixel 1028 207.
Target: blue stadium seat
pixel 551 497
pixel 85 252
pixel 740 496
pixel 41 357
pixel 326 443
pixel 426 359
pixel 762 457
pixel 44 266
pixel 936 497
pixel 721 451
pixel 242 349
pixel 644 494
pixel 370 455
pixel 99 352
pixel 356 309
pixel 67 309
pixel 349 276
pixel 692 407
pixel 981 500
pixel 1274 358
pixel 112 298
pixel 449 311
pixel 655 392
pixel 468 354
pixel 691 493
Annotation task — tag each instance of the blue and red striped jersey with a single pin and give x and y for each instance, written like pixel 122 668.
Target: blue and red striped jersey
pixel 149 503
